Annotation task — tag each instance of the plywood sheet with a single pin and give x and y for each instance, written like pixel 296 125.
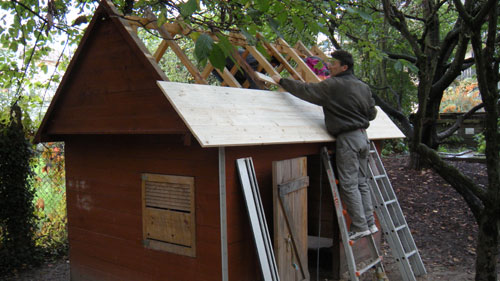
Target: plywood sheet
pixel 223 116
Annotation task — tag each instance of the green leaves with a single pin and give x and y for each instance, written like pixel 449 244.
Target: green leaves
pixel 297 23
pixel 217 57
pixel 216 53
pixel 364 15
pixel 16 194
pixel 401 65
pixel 203 47
pixel 188 8
pixel 262 5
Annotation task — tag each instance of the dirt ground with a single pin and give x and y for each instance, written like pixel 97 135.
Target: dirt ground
pixel 442 225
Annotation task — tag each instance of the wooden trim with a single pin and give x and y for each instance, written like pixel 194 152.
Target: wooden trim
pixel 291 186
pixel 136 43
pixel 223 214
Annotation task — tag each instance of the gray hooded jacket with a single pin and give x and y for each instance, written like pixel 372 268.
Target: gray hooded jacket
pixel 347 102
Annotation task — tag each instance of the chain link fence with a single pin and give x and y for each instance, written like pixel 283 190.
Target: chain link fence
pixel 50 198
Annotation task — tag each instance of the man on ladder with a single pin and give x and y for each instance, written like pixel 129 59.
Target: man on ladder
pixel 348 107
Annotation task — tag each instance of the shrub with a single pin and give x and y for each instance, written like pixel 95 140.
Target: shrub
pixel 17 219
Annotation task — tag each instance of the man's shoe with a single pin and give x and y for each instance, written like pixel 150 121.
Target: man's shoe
pixel 356 235
pixel 373 229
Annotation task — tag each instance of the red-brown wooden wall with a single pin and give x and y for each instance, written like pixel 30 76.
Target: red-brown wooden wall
pixel 110 88
pixel 104 207
pixel 105 213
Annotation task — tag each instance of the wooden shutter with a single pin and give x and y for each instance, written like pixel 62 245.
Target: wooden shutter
pixel 169 213
pixel 290 183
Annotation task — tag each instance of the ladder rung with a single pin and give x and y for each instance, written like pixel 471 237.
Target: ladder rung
pixel 400 227
pixel 407 255
pixel 366 268
pixel 388 202
pixel 401 241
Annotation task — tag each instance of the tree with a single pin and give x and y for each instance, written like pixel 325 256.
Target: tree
pixel 29 32
pixel 439 60
pixel 481 20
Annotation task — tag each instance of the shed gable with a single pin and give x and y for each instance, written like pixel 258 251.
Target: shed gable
pixel 110 88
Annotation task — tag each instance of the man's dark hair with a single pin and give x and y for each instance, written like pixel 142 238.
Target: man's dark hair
pixel 345 58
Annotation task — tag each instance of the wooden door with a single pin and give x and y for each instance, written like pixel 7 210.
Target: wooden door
pixel 290 183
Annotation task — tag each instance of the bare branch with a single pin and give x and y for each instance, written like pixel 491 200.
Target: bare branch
pixel 406 127
pixel 455 68
pixel 37 15
pixel 450 41
pixel 408 58
pixel 463 12
pixel 473 194
pixel 480 17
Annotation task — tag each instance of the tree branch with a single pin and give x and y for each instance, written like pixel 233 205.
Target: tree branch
pixel 449 42
pixel 463 12
pixel 397 20
pixel 473 194
pixel 458 123
pixel 46 22
pixel 455 68
pixel 408 58
pixel 480 17
pixel 405 125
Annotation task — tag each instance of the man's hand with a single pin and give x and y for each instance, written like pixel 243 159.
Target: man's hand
pixel 276 78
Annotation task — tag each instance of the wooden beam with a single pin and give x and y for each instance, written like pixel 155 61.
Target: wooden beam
pixel 262 60
pixel 317 51
pixel 274 52
pixel 228 78
pixel 173 28
pixel 247 68
pixel 162 48
pixel 167 37
pixel 208 69
pixel 303 49
pixel 237 39
pixel 140 44
pixel 266 78
pixel 141 22
pixel 310 75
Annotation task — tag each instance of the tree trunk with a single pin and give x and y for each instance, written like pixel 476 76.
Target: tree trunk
pixel 487 246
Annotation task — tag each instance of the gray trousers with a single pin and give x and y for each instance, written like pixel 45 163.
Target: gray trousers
pixel 352 150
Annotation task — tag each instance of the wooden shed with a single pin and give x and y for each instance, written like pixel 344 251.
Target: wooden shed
pixel 151 180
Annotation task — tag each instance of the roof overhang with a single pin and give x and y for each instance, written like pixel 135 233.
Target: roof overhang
pixel 224 116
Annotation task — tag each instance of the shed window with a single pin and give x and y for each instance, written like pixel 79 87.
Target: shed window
pixel 168 215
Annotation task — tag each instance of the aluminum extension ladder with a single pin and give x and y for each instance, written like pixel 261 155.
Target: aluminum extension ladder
pixel 354 272
pixel 392 220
